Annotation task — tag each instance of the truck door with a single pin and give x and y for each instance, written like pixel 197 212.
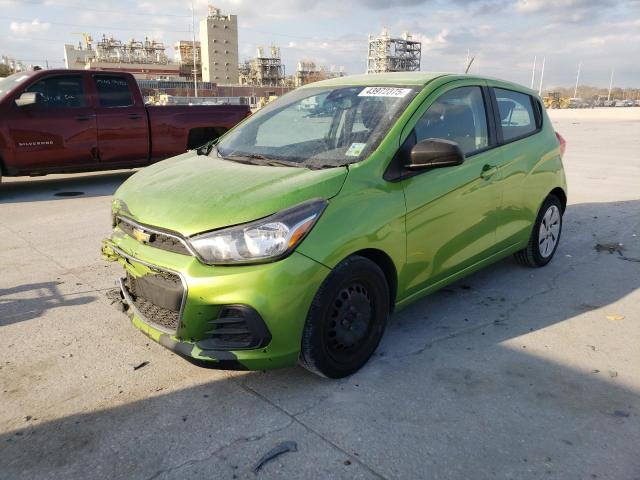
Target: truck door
pixel 123 130
pixel 58 131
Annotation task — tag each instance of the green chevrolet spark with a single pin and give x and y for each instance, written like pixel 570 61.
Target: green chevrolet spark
pixel 297 234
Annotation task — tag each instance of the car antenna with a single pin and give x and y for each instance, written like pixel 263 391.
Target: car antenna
pixel 469 65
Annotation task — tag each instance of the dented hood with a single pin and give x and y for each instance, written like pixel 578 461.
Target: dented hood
pixel 191 193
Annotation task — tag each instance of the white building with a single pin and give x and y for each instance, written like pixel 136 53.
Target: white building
pixel 219 45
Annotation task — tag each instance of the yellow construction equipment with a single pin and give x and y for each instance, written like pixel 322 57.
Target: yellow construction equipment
pixel 554 100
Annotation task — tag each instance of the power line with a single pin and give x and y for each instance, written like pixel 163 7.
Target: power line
pixel 103 27
pixel 82 7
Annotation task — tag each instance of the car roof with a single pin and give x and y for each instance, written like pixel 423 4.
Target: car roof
pixel 410 79
pixel 391 78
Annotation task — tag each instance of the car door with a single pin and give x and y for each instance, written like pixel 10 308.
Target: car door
pixel 518 119
pixel 58 131
pixel 123 130
pixel 451 212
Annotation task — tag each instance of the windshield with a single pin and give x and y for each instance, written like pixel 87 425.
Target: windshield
pixel 8 83
pixel 318 127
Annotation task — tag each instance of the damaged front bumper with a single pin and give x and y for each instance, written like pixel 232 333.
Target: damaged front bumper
pixel 238 318
pixel 189 350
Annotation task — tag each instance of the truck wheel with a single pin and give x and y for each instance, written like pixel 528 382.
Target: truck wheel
pixel 346 320
pixel 545 235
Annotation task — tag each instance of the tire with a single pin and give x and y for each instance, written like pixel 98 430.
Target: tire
pixel 346 320
pixel 540 252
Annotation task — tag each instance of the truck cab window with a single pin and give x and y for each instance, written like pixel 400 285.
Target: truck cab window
pixel 59 92
pixel 113 91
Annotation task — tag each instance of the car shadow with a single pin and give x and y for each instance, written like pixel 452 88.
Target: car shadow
pixel 452 392
pixel 38 189
pixel 25 302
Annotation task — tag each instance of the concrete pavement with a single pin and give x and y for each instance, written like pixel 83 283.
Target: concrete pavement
pixel 511 373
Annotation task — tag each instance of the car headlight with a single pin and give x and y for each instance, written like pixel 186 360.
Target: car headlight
pixel 264 240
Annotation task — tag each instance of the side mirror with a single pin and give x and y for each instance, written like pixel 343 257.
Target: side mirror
pixel 27 98
pixel 434 153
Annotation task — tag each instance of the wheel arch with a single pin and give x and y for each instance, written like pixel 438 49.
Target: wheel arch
pixel 561 195
pixel 384 261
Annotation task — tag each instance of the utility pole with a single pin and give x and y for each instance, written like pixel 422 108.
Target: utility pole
pixel 193 53
pixel 533 71
pixel 544 60
pixel 575 90
pixel 610 85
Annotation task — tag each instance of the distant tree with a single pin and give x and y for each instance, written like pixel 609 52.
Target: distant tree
pixel 5 71
pixel 593 93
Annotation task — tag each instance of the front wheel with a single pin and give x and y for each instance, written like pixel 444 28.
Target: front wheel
pixel 346 320
pixel 545 235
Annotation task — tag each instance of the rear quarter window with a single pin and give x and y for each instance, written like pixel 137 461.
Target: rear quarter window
pixel 519 114
pixel 113 91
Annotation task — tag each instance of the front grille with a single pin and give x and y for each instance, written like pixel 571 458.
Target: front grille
pixel 157 239
pixel 158 298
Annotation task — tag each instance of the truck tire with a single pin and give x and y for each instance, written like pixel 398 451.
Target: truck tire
pixel 199 136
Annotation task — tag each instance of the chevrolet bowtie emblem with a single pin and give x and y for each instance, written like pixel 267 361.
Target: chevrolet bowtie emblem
pixel 140 235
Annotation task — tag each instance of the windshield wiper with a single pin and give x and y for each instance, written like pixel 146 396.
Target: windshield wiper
pixel 257 159
pixel 207 148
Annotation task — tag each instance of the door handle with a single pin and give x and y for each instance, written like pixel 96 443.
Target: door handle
pixel 488 171
pixel 135 116
pixel 82 118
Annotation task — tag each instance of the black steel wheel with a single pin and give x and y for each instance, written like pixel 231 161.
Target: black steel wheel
pixel 346 319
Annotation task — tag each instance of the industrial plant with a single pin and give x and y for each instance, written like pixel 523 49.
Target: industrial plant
pixel 146 59
pixel 393 54
pixel 210 66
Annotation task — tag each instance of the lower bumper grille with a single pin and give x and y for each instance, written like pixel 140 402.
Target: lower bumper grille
pixel 238 327
pixel 157 297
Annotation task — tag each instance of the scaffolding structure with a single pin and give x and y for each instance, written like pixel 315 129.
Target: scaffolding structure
pixel 110 50
pixel 388 54
pixel 183 52
pixel 308 72
pixel 265 70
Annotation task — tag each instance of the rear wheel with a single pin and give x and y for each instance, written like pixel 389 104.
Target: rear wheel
pixel 346 320
pixel 545 235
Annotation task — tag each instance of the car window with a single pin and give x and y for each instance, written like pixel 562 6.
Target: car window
pixel 59 92
pixel 516 113
pixel 459 116
pixel 319 127
pixel 113 91
pixel 356 125
pixel 277 131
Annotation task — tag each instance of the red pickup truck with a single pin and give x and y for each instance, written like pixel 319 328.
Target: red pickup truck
pixel 54 121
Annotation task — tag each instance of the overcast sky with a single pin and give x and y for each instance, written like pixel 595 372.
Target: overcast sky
pixel 503 35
